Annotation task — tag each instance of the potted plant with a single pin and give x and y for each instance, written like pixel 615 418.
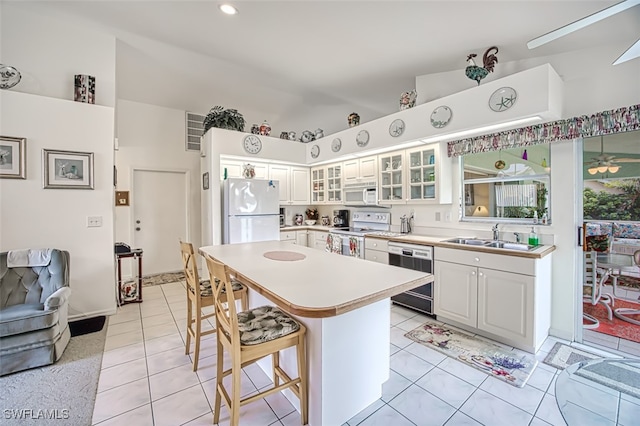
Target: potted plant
pixel 221 118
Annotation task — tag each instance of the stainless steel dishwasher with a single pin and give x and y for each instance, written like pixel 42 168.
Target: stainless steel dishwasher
pixel 418 258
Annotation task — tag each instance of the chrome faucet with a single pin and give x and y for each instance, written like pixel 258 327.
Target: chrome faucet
pixel 517 234
pixel 496 234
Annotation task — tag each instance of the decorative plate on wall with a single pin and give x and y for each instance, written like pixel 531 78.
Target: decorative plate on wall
pixel 336 144
pixel 315 151
pixel 502 99
pixel 396 128
pixel 362 139
pixel 441 116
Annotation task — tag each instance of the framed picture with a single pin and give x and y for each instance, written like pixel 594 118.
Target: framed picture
pixel 205 180
pixel 67 169
pixel 122 198
pixel 13 157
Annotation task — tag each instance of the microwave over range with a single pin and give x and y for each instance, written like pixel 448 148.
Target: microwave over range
pixel 360 194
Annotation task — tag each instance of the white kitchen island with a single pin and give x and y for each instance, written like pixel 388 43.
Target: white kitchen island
pixel 343 302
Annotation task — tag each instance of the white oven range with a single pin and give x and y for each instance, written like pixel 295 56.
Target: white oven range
pixel 362 223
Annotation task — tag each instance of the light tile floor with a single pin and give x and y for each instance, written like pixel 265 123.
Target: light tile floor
pixel 146 379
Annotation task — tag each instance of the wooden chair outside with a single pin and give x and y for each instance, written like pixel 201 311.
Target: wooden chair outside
pixel 249 336
pixel 200 295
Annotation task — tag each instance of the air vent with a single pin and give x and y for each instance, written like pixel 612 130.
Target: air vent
pixel 194 131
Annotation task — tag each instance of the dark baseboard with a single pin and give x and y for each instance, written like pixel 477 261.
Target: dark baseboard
pixel 85 326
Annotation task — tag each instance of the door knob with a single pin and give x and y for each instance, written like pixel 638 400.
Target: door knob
pixel 137 228
pixel 138 221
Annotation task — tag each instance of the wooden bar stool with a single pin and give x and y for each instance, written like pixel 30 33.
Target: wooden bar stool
pixel 250 336
pixel 200 295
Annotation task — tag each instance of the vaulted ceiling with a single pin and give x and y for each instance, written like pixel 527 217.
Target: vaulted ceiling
pixel 285 57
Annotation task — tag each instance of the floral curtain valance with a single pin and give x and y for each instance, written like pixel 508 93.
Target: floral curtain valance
pixel 614 121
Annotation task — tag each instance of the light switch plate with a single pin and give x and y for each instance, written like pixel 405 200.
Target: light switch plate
pixel 94 221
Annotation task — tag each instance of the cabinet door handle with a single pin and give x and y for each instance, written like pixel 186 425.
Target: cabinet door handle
pixel 481 274
pixel 473 272
pixel 477 259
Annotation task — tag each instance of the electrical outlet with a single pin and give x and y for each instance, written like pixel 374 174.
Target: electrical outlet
pixel 94 221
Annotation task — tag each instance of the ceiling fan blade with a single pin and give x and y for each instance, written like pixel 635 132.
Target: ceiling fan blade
pixel 627 160
pixel 581 23
pixel 631 53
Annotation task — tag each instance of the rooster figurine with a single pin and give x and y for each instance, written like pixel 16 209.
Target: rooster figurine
pixel 489 60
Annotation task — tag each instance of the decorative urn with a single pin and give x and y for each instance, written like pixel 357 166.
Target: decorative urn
pixel 353 119
pixel 265 128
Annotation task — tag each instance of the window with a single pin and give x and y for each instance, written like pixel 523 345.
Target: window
pixel 511 185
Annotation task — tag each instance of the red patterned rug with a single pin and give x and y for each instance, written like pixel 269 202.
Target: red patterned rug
pixel 615 327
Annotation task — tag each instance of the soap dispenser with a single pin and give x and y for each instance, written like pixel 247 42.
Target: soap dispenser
pixel 533 237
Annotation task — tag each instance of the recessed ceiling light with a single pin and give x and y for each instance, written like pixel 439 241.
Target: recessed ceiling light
pixel 228 9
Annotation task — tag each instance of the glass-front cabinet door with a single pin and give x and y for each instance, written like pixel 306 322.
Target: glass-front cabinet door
pixel 392 188
pixel 334 183
pixel 318 185
pixel 423 174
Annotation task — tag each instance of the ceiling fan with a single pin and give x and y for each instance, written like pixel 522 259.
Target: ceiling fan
pixel 631 53
pixel 603 163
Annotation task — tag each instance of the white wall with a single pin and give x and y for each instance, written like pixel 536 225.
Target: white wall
pixel 33 217
pixel 591 83
pixel 49 52
pixel 153 137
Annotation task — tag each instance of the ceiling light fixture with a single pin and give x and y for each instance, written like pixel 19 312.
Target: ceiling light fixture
pixel 228 9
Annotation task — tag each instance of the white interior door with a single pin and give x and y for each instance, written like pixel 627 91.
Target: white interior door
pixel 160 218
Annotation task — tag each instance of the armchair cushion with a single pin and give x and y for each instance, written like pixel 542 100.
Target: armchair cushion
pixel 19 319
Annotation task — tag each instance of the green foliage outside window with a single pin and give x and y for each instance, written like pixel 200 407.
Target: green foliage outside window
pixel 602 205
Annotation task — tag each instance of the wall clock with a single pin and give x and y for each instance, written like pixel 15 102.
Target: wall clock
pixel 362 139
pixel 502 99
pixel 336 144
pixel 441 116
pixel 396 128
pixel 252 144
pixel 315 151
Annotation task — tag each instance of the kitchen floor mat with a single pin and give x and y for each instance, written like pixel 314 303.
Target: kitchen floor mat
pixel 561 356
pixel 510 365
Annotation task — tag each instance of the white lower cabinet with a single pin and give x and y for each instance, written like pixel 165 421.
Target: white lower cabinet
pixel 318 240
pixel 376 250
pixel 302 237
pixel 473 289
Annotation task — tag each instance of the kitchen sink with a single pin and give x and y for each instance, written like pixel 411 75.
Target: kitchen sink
pixel 510 245
pixel 507 245
pixel 468 241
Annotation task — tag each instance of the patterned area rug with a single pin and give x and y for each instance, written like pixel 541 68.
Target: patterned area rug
pixel 157 279
pixel 512 366
pixel 561 356
pixel 615 327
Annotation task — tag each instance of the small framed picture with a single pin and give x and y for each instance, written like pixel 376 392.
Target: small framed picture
pixel 67 169
pixel 13 157
pixel 122 198
pixel 205 180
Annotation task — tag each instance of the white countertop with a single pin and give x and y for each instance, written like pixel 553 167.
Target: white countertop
pixel 321 285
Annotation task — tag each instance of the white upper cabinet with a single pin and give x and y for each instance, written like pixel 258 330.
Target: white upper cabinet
pixel 235 169
pixel 360 169
pixel 294 183
pixel 300 178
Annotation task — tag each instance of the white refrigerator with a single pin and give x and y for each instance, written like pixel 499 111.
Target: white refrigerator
pixel 251 210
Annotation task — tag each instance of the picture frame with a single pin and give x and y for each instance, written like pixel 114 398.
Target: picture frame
pixel 67 169
pixel 122 198
pixel 13 157
pixel 205 181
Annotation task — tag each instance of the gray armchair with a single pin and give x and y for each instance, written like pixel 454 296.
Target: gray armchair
pixel 34 304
